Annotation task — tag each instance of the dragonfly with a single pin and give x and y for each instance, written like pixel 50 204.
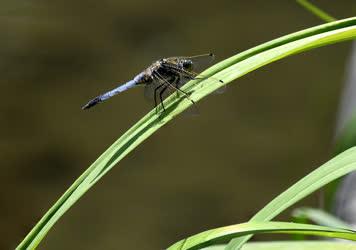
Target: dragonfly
pixel 162 78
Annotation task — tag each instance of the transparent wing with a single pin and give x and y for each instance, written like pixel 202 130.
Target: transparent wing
pixel 156 88
pixel 200 62
pixel 149 90
pixel 157 91
pixel 161 90
pixel 221 90
pixel 184 80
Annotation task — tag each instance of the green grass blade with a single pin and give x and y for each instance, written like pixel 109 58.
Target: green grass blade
pixel 316 11
pixel 293 245
pixel 340 165
pixel 225 233
pixel 319 217
pixel 227 70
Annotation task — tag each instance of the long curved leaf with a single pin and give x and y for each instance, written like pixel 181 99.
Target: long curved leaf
pixel 340 165
pixel 225 233
pixel 293 245
pixel 227 70
pixel 319 217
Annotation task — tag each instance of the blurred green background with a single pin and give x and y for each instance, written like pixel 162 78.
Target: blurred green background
pixel 269 129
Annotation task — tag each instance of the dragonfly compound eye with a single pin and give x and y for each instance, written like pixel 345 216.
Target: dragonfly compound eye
pixel 187 64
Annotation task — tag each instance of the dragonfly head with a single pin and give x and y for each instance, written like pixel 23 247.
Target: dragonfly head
pixel 186 64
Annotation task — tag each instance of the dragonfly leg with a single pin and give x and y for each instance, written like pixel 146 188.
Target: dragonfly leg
pixel 160 97
pixel 155 95
pixel 186 95
pixel 191 75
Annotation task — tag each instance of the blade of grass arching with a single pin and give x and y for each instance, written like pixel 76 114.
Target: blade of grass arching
pixel 340 165
pixel 227 70
pixel 319 217
pixel 316 11
pixel 216 235
pixel 292 245
pixel 278 42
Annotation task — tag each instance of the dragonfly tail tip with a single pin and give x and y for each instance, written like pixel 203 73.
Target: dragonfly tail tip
pixel 91 103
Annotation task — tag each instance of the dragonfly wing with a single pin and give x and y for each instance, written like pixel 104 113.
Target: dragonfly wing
pixel 155 88
pixel 184 79
pixel 221 90
pixel 149 91
pixel 200 62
